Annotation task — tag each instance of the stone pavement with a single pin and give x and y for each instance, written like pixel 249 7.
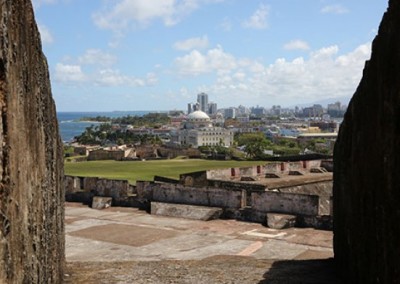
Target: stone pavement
pixel 128 234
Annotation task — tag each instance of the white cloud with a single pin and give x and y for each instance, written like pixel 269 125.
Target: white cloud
pixel 113 78
pixel 73 75
pixel 334 9
pixel 226 25
pixel 45 34
pixel 69 73
pixel 140 13
pixel 215 60
pixel 324 73
pixel 192 43
pixel 97 57
pixel 259 19
pixel 193 63
pixel 151 79
pixel 296 45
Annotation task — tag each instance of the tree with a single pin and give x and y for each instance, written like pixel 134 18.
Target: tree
pixel 254 144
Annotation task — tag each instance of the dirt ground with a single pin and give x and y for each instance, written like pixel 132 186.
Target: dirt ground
pixel 221 269
pixel 120 245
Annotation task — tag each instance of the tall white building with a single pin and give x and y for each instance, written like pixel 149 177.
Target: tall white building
pixel 202 99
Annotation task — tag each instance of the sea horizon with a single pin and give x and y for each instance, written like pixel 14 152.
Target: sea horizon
pixel 71 126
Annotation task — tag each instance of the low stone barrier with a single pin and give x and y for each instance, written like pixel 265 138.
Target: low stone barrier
pixel 186 211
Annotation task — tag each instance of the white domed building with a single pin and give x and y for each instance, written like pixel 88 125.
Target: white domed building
pixel 197 119
pixel 198 130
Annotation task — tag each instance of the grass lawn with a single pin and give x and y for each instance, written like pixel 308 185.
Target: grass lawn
pixel 146 170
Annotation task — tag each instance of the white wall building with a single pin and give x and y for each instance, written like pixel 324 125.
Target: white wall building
pixel 198 131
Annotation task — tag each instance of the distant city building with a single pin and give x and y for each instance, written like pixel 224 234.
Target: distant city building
pixel 242 111
pixel 276 110
pixel 336 106
pixel 202 99
pixel 193 107
pixel 336 109
pixel 212 108
pixel 243 118
pixel 199 131
pixel 190 108
pixel 258 111
pixel 219 119
pixel 314 111
pixel 230 113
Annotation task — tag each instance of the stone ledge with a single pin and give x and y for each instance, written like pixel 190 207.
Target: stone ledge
pixel 186 211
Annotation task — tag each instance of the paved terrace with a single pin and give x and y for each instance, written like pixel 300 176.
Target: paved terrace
pixel 125 245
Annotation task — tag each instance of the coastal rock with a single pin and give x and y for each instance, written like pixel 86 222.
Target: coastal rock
pixel 367 164
pixel 31 168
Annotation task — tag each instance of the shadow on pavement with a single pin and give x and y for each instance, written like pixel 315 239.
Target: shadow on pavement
pixel 316 271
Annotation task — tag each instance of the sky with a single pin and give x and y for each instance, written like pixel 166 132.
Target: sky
pixel 124 55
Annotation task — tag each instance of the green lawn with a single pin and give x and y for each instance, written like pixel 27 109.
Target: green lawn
pixel 146 170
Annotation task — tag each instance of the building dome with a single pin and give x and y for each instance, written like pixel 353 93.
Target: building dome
pixel 198 115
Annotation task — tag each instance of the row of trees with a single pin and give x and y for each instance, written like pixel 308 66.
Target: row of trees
pixel 103 134
pixel 153 120
pixel 257 147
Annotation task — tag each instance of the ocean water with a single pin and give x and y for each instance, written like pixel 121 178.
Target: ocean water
pixel 70 126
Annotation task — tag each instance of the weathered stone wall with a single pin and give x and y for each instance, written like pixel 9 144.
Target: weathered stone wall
pixel 286 203
pixel 101 154
pixel 322 189
pixel 232 185
pixel 248 171
pixel 31 168
pixel 214 197
pixel 175 152
pixel 285 167
pixel 98 186
pixel 271 167
pixel 367 166
pixel 219 173
pixel 197 179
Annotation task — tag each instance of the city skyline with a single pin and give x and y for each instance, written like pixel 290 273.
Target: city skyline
pixel 143 55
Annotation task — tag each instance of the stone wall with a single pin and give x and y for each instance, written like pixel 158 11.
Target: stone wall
pixel 286 203
pixel 367 164
pixel 232 185
pixel 323 189
pixel 213 197
pixel 101 154
pixel 175 152
pixel 197 179
pixel 82 189
pixel 31 165
pixel 219 173
pixel 270 167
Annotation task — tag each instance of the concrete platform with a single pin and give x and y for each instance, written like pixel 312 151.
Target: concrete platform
pixel 185 211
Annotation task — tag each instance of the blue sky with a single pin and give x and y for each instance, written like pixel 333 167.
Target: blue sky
pixel 107 55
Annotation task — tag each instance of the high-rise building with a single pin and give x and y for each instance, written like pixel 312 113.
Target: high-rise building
pixel 202 99
pixel 258 111
pixel 212 108
pixel 230 113
pixel 189 108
